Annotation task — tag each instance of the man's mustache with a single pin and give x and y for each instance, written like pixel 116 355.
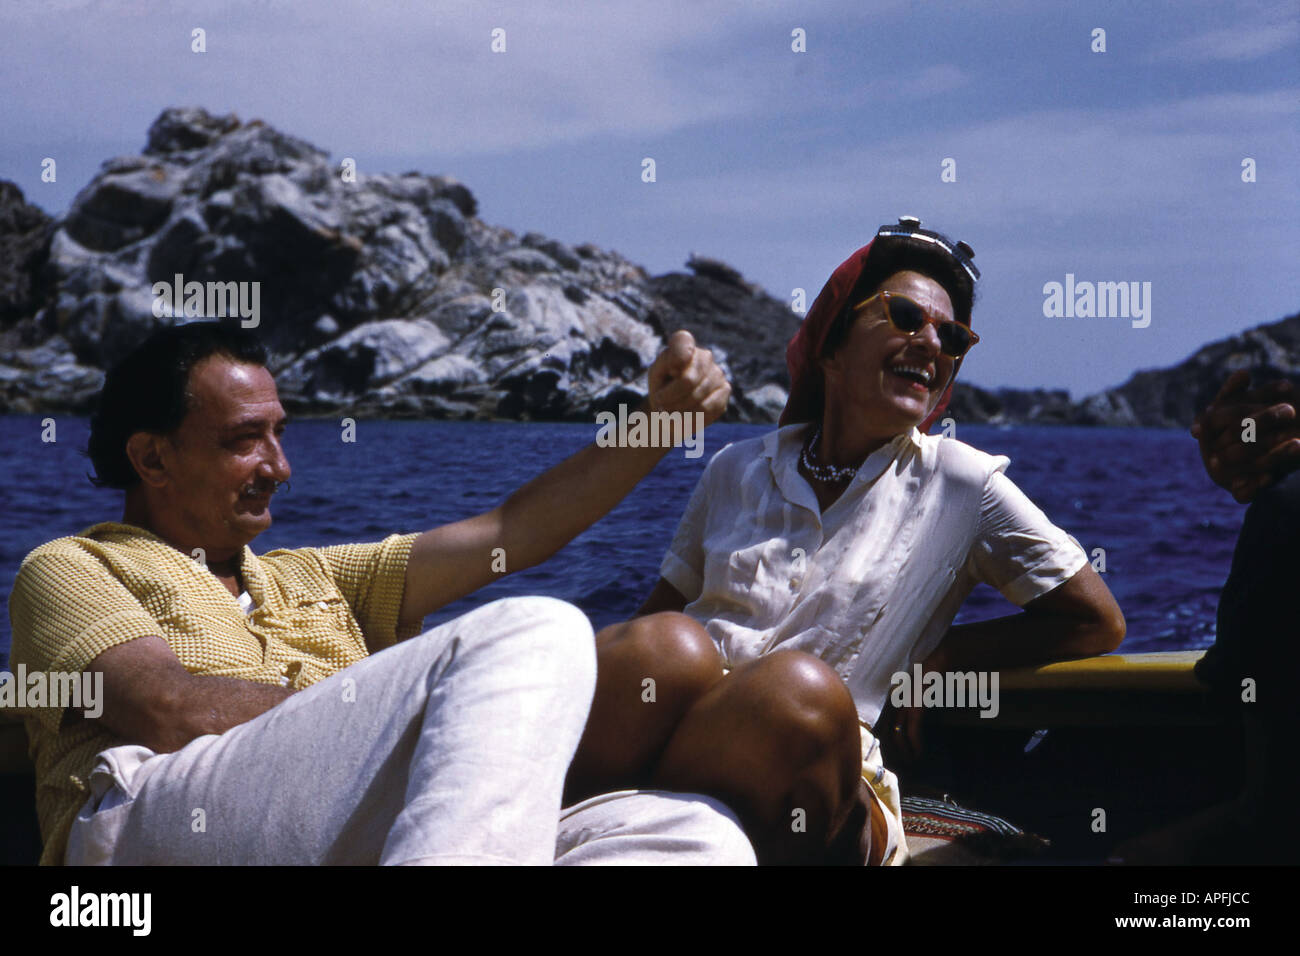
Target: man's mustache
pixel 263 488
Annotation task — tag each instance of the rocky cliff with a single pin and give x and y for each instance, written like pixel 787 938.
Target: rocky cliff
pixel 387 295
pixel 377 294
pixel 1155 398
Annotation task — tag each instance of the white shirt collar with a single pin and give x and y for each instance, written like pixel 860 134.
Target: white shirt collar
pixel 783 446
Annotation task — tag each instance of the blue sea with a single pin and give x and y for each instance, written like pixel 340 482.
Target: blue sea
pixel 1139 494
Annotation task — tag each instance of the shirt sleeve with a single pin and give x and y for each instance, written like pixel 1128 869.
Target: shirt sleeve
pixel 683 565
pixel 372 579
pixel 1017 549
pixel 67 608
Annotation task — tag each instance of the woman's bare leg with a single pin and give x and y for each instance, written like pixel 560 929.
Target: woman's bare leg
pixel 650 671
pixel 778 742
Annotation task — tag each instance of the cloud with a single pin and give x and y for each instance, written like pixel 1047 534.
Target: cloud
pixel 397 77
pixel 1061 164
pixel 1233 44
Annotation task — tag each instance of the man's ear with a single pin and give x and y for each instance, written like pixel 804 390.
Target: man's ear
pixel 145 451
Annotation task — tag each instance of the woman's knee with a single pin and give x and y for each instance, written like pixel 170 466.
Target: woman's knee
pixel 671 648
pixel 806 705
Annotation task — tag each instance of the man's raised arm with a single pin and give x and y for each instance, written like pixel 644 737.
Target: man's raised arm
pixel 551 510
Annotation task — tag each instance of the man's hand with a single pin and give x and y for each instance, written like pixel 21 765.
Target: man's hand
pixel 685 378
pixel 1244 468
pixel 548 512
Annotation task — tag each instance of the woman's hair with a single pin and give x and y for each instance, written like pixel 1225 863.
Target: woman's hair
pixel 148 391
pixel 890 257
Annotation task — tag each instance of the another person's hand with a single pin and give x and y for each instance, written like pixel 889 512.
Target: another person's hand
pixel 685 378
pixel 1244 468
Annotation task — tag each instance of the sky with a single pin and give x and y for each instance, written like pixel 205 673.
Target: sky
pixel 1122 164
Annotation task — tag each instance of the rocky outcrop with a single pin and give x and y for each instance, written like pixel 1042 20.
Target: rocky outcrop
pixel 378 294
pixel 386 294
pixel 1170 397
pixel 1157 398
pixel 24 243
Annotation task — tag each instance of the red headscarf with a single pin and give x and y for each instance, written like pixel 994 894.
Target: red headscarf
pixel 801 355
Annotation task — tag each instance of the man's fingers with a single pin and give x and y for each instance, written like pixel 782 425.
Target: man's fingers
pixel 1235 382
pixel 718 398
pixel 681 347
pixel 1223 427
pixel 691 384
pixel 1272 424
pixel 1224 414
pixel 715 403
pixel 1246 468
pixel 1271 391
pixel 1281 458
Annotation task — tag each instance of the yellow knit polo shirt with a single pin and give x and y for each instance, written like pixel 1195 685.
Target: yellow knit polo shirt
pixel 316 611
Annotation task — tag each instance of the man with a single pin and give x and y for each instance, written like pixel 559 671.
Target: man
pixel 280 709
pixel 1253 665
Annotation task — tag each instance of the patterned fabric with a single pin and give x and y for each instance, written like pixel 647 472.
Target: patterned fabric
pixel 317 610
pixel 943 818
pixel 940 832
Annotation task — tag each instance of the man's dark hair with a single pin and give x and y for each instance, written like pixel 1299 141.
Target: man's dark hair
pixel 148 391
pixel 901 255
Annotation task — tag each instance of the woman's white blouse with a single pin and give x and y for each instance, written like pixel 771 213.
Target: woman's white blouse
pixel 873 584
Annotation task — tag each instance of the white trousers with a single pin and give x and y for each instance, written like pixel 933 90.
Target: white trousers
pixel 450 748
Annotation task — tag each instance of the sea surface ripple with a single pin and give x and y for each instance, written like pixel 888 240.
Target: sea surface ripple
pixel 1141 495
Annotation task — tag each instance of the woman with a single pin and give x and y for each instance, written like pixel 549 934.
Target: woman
pixel 817 561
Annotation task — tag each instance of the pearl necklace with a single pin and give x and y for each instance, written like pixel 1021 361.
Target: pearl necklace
pixel 831 474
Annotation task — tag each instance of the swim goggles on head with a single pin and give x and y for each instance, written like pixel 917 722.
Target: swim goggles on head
pixel 909 317
pixel 909 227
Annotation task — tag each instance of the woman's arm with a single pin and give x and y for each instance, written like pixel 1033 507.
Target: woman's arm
pixel 1077 619
pixel 664 597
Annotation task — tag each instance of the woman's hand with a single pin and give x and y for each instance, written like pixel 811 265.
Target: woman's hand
pixel 900 728
pixel 906 738
pixel 899 731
